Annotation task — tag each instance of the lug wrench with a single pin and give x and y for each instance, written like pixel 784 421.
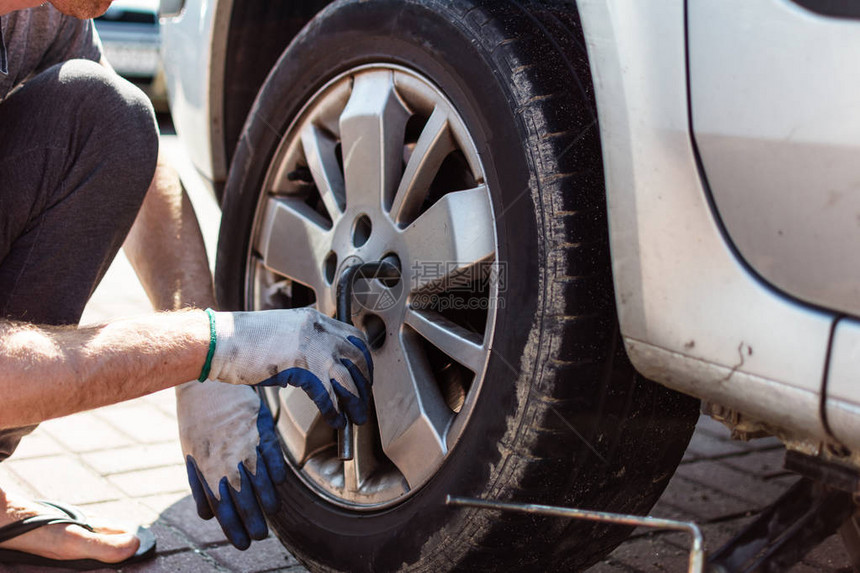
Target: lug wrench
pixel 384 269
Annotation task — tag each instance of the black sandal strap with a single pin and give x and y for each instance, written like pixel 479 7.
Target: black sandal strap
pixel 69 510
pixel 28 524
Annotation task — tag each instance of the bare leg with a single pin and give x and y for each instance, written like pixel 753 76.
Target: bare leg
pixel 166 248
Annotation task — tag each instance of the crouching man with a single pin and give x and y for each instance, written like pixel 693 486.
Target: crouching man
pixel 80 176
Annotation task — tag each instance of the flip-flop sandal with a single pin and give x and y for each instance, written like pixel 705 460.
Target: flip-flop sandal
pixel 74 517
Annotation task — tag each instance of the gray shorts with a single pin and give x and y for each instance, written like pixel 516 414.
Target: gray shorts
pixel 78 147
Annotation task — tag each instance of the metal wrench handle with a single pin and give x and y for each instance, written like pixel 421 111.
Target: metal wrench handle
pixel 379 270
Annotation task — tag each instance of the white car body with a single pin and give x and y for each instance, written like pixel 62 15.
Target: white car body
pixel 189 43
pixel 729 131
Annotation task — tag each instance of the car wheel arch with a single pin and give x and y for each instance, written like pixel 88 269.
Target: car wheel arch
pixel 256 34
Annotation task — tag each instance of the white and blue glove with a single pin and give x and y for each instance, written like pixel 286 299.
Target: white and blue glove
pixel 326 358
pixel 232 455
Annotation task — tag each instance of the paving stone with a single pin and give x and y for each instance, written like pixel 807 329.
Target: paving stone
pixel 650 554
pixel 119 294
pixel 169 538
pixel 11 481
pixel 183 516
pixel 64 478
pixel 261 556
pixel 666 511
pixel 84 432
pixel 127 509
pixel 786 480
pixel 831 554
pixel 182 562
pixel 764 444
pixel 718 534
pixel 761 464
pixel 36 445
pixel 804 568
pixel 706 446
pixel 146 423
pixel 137 457
pixel 161 502
pixel 701 502
pixel 715 535
pixel 152 482
pixel 609 565
pixel 732 482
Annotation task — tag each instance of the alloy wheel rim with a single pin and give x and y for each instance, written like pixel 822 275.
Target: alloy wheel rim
pixel 379 164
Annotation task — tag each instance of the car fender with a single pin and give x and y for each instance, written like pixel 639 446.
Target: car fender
pixel 692 315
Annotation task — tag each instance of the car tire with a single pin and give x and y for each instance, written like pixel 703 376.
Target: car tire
pixel 562 417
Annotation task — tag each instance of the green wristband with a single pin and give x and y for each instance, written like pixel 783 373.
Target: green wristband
pixel 213 338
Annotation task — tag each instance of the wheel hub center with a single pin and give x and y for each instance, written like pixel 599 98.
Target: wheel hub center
pixel 359 239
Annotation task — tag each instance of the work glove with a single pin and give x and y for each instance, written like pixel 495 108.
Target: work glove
pixel 326 358
pixel 232 455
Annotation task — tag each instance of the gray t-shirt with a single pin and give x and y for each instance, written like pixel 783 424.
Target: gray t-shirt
pixel 38 38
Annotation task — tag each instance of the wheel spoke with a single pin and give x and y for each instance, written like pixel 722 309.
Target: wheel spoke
pixel 266 286
pixel 301 425
pixel 293 241
pixel 462 345
pixel 433 146
pixel 322 161
pixel 412 415
pixel 372 129
pixel 358 470
pixel 455 233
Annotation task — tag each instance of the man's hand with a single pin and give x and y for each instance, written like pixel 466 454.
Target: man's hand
pixel 232 455
pixel 326 358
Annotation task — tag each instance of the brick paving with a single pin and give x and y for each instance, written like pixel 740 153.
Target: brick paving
pixel 124 462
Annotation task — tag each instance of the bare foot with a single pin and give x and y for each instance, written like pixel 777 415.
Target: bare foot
pixel 64 541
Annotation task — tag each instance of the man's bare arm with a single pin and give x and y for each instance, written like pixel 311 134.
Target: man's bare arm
pixel 48 372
